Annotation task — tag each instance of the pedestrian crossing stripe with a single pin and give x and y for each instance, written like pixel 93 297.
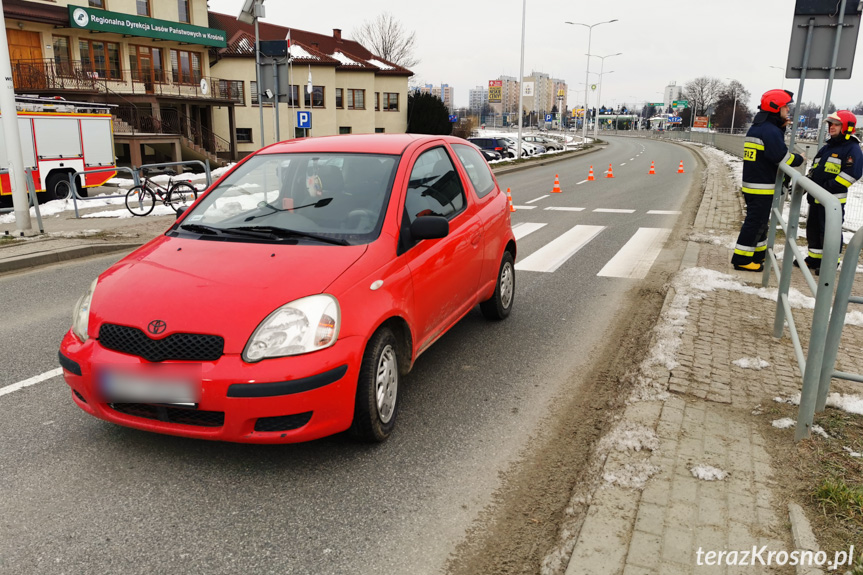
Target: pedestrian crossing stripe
pixel 613 211
pixel 638 254
pixel 563 209
pixel 525 207
pixel 554 254
pixel 536 199
pixel 664 213
pixel 523 229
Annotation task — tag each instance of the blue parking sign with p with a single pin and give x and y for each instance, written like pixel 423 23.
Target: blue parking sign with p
pixel 548 117
pixel 304 120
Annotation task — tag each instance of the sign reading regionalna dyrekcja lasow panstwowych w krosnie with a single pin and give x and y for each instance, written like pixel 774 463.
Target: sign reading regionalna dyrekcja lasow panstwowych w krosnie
pixel 118 23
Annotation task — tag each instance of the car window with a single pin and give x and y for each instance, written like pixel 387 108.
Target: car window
pixel 434 188
pixel 334 194
pixel 476 168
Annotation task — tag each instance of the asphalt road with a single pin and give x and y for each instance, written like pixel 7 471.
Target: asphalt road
pixel 78 495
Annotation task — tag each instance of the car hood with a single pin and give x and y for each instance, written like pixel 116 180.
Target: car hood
pixel 214 287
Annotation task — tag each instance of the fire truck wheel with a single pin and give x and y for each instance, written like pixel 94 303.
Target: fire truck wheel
pixel 58 188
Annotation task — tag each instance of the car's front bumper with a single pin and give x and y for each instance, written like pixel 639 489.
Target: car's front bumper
pixel 280 400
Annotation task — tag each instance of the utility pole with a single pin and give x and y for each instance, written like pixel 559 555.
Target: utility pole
pixel 12 136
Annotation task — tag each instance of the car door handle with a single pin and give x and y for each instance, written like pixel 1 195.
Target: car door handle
pixel 474 239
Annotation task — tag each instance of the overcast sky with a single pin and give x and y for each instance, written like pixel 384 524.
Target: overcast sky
pixel 466 43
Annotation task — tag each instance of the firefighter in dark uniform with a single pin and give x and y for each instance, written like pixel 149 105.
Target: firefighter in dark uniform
pixel 763 150
pixel 837 165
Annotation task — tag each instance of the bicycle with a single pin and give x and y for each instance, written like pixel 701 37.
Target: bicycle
pixel 141 200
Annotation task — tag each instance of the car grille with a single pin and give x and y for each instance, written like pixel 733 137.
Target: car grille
pixel 283 422
pixel 171 414
pixel 177 346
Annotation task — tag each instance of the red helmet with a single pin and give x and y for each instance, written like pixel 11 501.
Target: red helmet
pixel 772 100
pixel 846 119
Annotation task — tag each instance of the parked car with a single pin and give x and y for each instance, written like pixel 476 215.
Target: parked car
pixel 548 143
pixel 289 301
pixel 491 155
pixel 496 144
pixel 527 148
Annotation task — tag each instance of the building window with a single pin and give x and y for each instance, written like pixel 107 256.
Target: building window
pixel 232 90
pixel 379 130
pixel 62 56
pixel 244 135
pixel 344 129
pixel 146 64
pixel 377 100
pixel 183 11
pixel 253 90
pixel 356 99
pixel 186 67
pixel 96 4
pixel 340 103
pixel 391 102
pixel 294 96
pixel 100 59
pixel 316 98
pixel 143 7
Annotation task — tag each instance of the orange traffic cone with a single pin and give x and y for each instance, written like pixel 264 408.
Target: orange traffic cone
pixel 590 177
pixel 609 174
pixel 680 168
pixel 509 200
pixel 556 189
pixel 652 170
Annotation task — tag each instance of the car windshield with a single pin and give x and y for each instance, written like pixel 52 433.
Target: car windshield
pixel 331 197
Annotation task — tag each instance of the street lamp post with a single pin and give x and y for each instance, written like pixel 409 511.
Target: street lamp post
pixel 587 72
pixel 734 109
pixel 599 96
pixel 783 75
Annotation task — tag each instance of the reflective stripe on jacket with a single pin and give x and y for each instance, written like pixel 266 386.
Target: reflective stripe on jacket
pixel 763 149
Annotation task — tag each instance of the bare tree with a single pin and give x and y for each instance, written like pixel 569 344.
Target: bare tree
pixel 703 92
pixel 386 37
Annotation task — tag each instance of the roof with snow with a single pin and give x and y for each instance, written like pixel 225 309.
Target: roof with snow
pixel 306 47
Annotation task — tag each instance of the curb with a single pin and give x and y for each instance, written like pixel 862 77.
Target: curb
pixel 545 161
pixel 18 263
pixel 804 539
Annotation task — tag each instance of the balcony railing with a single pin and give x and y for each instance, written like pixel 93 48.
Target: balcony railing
pixel 34 75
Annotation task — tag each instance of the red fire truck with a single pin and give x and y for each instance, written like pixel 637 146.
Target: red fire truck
pixel 59 138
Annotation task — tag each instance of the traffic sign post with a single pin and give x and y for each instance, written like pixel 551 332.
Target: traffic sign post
pixel 304 120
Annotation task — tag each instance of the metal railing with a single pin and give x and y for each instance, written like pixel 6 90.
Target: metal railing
pixel 73 178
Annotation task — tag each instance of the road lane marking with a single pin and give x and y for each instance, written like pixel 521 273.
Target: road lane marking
pixel 614 211
pixel 631 159
pixel 623 164
pixel 563 209
pixel 664 212
pixel 554 254
pixel 32 381
pixel 635 258
pixel 525 207
pixel 581 182
pixel 536 199
pixel 525 228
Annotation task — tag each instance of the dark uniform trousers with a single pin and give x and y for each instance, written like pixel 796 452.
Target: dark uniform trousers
pixel 753 232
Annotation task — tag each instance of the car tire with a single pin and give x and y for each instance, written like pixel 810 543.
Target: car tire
pixel 499 306
pixel 376 405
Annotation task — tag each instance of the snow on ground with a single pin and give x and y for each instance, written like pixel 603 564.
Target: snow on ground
pixel 852 453
pixel 847 403
pixel 629 437
pixel 708 473
pixel 784 423
pixel 755 363
pixel 631 475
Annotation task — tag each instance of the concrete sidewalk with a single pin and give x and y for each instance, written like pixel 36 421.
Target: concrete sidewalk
pixel 687 469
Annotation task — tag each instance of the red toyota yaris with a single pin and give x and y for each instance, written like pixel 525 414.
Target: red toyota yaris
pixel 288 302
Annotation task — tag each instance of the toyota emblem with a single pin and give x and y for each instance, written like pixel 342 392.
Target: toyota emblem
pixel 157 326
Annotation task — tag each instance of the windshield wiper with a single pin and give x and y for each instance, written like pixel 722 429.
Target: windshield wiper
pixel 278 232
pixel 201 229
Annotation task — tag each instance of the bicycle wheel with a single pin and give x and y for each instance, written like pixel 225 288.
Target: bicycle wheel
pixel 140 201
pixel 181 194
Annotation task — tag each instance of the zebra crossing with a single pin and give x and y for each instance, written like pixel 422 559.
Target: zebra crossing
pixel 632 261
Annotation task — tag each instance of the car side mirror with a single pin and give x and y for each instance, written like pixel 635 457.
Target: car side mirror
pixel 429 228
pixel 181 210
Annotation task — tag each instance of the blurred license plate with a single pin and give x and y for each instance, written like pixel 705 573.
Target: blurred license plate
pixel 174 384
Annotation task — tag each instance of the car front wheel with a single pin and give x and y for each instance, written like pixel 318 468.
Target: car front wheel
pixel 376 404
pixel 499 306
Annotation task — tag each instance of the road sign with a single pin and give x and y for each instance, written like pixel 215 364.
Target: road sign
pixel 680 104
pixel 658 105
pixel 674 119
pixel 825 16
pixel 453 118
pixel 700 122
pixel 549 117
pixel 304 120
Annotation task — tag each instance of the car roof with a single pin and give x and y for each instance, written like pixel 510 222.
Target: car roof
pixel 355 143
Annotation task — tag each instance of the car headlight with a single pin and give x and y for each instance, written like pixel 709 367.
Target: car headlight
pixel 302 326
pixel 81 315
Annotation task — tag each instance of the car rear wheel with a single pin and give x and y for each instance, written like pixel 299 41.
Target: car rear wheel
pixel 376 404
pixel 499 305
